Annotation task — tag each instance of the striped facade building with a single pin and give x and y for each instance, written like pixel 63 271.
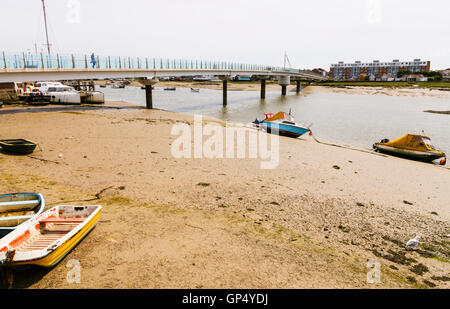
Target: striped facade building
pixel 376 70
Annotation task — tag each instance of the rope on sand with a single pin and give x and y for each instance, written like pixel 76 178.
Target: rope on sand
pixel 347 147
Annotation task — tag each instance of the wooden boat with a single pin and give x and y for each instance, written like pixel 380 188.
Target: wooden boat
pixel 19 146
pixel 282 124
pixel 412 146
pixel 18 208
pixel 46 239
pixel 195 90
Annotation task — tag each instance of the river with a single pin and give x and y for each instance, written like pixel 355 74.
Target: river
pixel 350 119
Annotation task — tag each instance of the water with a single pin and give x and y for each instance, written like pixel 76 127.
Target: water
pixel 355 120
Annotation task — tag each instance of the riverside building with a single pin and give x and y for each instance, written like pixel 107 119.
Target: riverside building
pixel 376 70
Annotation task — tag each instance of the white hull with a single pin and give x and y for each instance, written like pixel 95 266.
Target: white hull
pixel 64 97
pixel 95 97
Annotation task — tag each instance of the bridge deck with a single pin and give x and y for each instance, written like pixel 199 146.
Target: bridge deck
pixel 27 67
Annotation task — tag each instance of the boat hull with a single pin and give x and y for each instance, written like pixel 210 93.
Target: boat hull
pixel 426 156
pixel 284 130
pixel 53 258
pixel 10 203
pixel 70 98
pixel 17 146
pixel 34 244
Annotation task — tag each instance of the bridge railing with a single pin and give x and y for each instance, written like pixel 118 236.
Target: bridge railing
pixel 64 61
pixel 56 61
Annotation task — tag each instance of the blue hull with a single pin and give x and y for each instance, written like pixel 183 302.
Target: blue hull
pixel 284 129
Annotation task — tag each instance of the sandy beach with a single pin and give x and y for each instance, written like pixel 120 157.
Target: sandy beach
pixel 313 222
pixel 359 90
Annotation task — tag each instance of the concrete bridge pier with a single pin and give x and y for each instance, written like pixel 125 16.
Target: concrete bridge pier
pixel 298 87
pixel 284 81
pixel 225 94
pixel 148 83
pixel 263 86
pixel 148 97
pixel 225 80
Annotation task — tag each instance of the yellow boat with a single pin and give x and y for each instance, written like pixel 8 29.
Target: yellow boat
pixel 413 146
pixel 46 239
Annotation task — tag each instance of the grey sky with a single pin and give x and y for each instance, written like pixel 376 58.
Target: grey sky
pixel 314 33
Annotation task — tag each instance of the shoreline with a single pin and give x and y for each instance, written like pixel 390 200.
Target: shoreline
pixel 182 223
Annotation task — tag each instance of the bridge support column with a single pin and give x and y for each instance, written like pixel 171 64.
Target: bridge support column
pixel 263 88
pixel 148 97
pixel 298 87
pixel 148 83
pixel 284 81
pixel 225 89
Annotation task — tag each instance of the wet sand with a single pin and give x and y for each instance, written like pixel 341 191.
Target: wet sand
pixel 410 92
pixel 313 222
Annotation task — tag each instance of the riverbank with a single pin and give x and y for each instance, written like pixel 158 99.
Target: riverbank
pixel 224 223
pixel 390 91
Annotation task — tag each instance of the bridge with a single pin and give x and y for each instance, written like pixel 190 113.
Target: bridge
pixel 46 67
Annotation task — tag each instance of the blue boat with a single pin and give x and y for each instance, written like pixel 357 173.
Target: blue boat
pixel 282 124
pixel 18 208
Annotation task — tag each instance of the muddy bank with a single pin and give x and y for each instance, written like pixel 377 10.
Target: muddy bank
pixel 313 222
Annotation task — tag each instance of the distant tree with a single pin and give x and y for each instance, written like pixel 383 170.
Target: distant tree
pixel 433 75
pixel 400 74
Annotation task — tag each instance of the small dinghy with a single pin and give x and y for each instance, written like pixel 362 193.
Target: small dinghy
pixel 46 239
pixel 18 208
pixel 411 146
pixel 195 90
pixel 282 124
pixel 18 146
pixel 170 89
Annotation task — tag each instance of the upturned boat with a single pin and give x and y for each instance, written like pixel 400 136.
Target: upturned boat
pixel 18 208
pixel 412 146
pixel 18 146
pixel 282 124
pixel 46 239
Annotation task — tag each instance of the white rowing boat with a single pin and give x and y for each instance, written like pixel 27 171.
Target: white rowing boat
pixel 48 238
pixel 17 208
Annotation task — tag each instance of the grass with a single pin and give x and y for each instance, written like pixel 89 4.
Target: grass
pixel 432 84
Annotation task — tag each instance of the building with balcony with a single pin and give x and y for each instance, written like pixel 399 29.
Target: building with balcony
pixel 376 70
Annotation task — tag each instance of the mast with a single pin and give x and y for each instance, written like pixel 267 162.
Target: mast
pixel 46 28
pixel 286 59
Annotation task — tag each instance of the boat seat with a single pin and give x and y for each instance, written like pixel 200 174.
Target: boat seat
pixel 62 220
pixel 62 224
pixel 21 203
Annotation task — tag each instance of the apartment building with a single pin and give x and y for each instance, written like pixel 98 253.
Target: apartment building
pixel 376 70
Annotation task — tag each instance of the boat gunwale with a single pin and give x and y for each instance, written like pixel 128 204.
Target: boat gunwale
pixel 31 257
pixel 41 206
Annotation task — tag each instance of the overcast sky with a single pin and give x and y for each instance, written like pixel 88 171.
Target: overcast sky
pixel 314 33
